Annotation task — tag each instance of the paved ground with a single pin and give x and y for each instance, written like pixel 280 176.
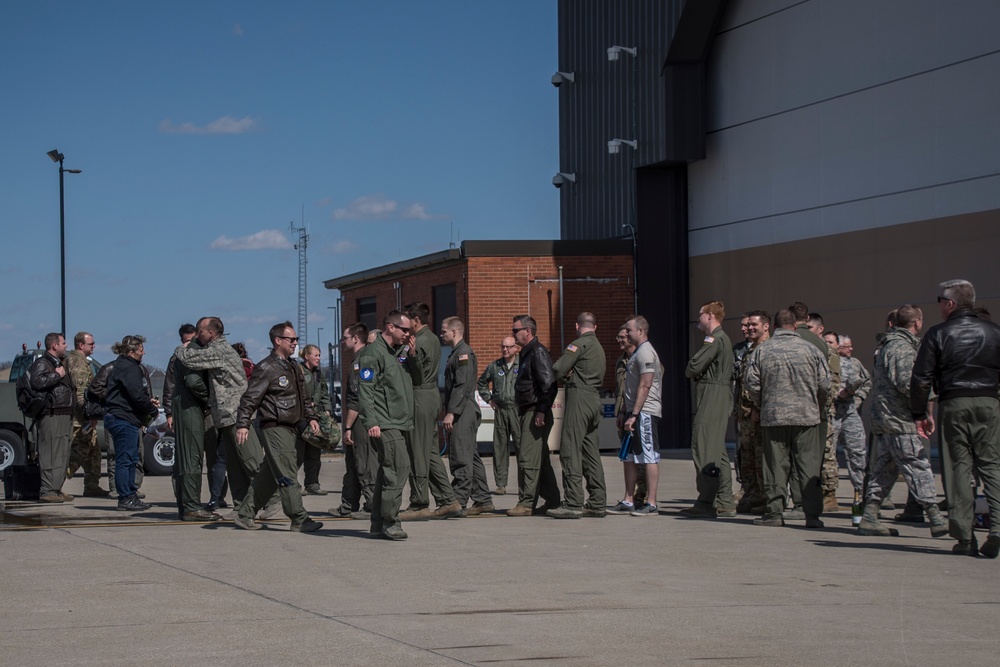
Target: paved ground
pixel 98 588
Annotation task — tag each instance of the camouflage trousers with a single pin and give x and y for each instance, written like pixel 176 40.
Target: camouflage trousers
pixel 895 453
pixel 751 464
pixel 851 435
pixel 85 453
pixel 830 475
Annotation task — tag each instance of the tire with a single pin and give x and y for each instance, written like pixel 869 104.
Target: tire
pixel 158 455
pixel 11 449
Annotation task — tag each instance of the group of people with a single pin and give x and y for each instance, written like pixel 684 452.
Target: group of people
pixel 795 389
pixel 798 392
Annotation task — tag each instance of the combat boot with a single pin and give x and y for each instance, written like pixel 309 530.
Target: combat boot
pixel 939 525
pixel 830 503
pixel 869 522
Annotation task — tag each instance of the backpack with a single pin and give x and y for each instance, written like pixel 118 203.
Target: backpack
pixel 30 402
pixel 96 392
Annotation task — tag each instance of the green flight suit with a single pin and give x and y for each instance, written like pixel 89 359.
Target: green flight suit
pixel 188 407
pixel 497 384
pixel 426 466
pixel 467 470
pixel 385 399
pixel 581 369
pixel 711 368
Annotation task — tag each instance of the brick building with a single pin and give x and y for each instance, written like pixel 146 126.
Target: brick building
pixel 485 283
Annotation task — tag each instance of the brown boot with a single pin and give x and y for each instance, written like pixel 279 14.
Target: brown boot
pixel 448 511
pixel 830 503
pixel 869 522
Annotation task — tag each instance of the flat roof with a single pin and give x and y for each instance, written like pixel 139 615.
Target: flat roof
pixel 540 248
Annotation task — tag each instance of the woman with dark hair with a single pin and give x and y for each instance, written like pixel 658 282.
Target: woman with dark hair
pixel 129 406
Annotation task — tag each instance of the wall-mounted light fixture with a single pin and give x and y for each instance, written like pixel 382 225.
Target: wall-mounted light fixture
pixel 615 145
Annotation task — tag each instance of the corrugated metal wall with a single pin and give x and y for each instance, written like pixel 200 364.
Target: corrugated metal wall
pixel 621 99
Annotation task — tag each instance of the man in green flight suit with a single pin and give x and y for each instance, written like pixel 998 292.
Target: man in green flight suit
pixel 461 420
pixel 385 402
pixel 711 368
pixel 496 387
pixel 581 369
pixel 427 471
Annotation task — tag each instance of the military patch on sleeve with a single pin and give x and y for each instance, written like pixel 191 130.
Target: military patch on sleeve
pixel 709 340
pixel 651 364
pixel 367 374
pixel 357 367
pixel 283 382
pixel 572 348
pixel 463 358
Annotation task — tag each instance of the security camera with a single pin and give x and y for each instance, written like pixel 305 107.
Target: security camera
pixel 562 178
pixel 560 78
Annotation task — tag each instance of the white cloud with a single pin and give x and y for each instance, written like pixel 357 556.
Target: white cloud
pixel 223 125
pixel 369 207
pixel 238 30
pixel 325 201
pixel 340 247
pixel 418 211
pixel 380 207
pixel 267 239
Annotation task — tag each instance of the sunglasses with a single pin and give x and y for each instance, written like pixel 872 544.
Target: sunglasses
pixel 514 331
pixel 293 339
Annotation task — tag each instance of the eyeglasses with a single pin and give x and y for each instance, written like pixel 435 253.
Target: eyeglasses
pixel 514 331
pixel 403 329
pixel 507 347
pixel 942 299
pixel 293 339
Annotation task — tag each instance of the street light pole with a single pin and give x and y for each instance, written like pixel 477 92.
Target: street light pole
pixel 318 329
pixel 56 156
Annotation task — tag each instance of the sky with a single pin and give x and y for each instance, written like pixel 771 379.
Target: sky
pixel 205 130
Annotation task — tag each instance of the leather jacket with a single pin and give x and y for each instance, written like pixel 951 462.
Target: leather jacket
pixel 536 382
pixel 959 357
pixel 277 393
pixel 60 389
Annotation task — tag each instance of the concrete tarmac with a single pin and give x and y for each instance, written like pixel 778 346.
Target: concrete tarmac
pixel 85 585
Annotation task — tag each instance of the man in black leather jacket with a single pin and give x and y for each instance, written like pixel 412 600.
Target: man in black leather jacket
pixel 960 360
pixel 55 426
pixel 276 392
pixel 534 393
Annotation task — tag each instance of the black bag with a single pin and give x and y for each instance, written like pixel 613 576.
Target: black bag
pixel 31 403
pixel 22 482
pixel 97 390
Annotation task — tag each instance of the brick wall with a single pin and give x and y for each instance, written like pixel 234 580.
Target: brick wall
pixel 491 290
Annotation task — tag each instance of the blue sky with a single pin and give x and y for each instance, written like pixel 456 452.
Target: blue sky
pixel 204 129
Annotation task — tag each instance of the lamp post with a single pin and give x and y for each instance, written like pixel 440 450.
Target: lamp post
pixel 318 329
pixel 56 156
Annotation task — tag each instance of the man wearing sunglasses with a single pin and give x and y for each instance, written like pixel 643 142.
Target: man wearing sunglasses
pixel 496 387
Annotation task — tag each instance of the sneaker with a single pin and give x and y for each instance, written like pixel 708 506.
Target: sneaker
pixel 417 514
pixel 519 510
pixel 307 526
pixel 480 508
pixel 590 513
pixel 645 510
pixel 771 520
pixel 246 524
pixel 564 513
pixel 340 512
pixel 315 490
pixel 449 511
pixel 269 511
pixel 394 532
pixel 991 547
pixel 132 504
pixel 622 508
pixel 201 515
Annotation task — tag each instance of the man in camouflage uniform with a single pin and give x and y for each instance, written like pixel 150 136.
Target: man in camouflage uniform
pixel 227 382
pixel 856 382
pixel 84 451
pixel 899 447
pixel 711 368
pixel 810 326
pixel 750 453
pixel 581 368
pixel 496 387
pixel 788 381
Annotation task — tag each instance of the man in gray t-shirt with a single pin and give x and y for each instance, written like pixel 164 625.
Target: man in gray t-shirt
pixel 641 417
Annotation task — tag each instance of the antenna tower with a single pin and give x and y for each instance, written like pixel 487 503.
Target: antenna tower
pixel 301 245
